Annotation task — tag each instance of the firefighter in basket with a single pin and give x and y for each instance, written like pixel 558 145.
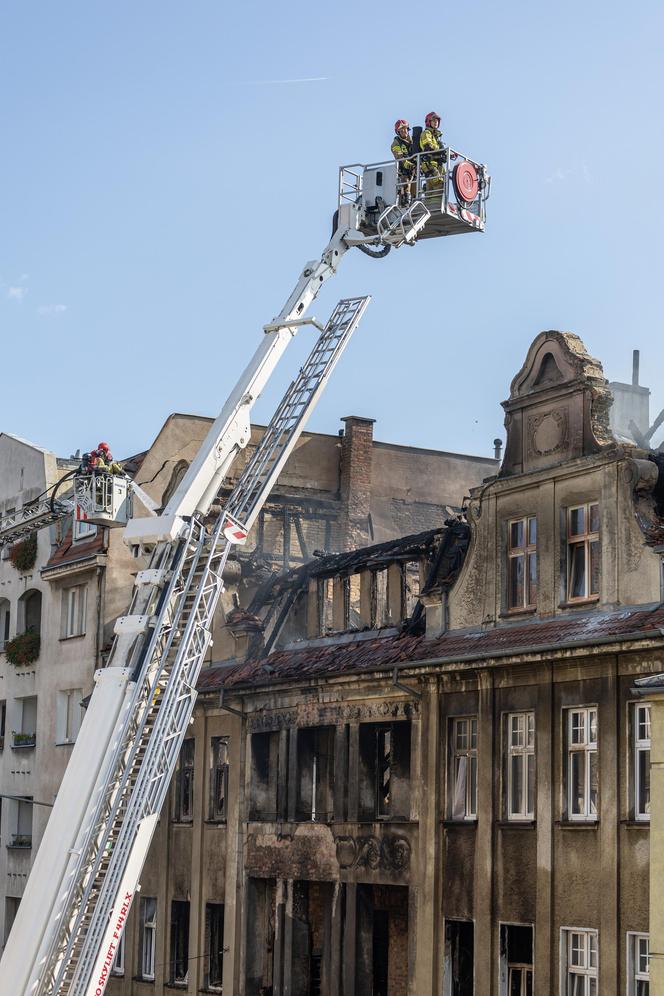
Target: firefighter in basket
pixel 431 141
pixel 402 150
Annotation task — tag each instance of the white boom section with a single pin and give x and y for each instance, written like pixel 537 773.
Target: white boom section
pixel 231 430
pixel 73 910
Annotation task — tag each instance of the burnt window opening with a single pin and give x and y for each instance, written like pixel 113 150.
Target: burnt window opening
pixel 262 914
pixel 382 939
pixel 325 606
pixel 214 946
pixel 411 587
pixel 263 793
pixel 218 779
pixel 459 958
pixel 384 782
pixel 380 609
pixel 315 788
pixel 179 965
pixel 352 617
pixel 516 960
pixel 288 536
pixel 183 809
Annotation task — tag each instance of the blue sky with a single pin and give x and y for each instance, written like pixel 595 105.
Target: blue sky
pixel 160 194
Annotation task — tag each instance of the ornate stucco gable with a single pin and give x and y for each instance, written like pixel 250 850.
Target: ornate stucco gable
pixel 558 407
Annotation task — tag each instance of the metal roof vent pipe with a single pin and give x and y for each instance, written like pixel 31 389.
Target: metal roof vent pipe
pixel 497 448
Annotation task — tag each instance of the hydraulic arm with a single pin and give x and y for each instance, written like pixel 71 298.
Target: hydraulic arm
pixel 88 865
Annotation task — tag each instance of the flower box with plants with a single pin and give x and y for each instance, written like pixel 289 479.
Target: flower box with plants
pixel 23 555
pixel 24 739
pixel 21 840
pixel 23 649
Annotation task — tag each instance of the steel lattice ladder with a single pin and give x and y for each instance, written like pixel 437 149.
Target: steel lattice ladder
pixel 143 758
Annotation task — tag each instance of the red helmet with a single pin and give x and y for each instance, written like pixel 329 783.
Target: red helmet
pixel 428 121
pixel 105 447
pixel 401 123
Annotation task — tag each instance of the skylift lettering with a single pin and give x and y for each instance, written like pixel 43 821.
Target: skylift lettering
pixel 113 946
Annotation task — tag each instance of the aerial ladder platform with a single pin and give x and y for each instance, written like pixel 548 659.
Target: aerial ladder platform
pixel 87 869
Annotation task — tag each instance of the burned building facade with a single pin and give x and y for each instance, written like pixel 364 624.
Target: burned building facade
pixel 423 769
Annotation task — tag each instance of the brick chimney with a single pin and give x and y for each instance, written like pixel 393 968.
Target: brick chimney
pixel 355 481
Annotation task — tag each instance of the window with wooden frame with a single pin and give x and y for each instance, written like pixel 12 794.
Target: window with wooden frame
pixel 582 764
pixel 522 563
pixel 583 552
pixel 521 766
pixel 641 760
pixel 463 773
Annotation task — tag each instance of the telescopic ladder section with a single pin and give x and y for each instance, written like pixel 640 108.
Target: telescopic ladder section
pixel 36 515
pixel 146 748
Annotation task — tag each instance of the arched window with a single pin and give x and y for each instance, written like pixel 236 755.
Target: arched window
pixel 179 470
pixel 5 621
pixel 29 612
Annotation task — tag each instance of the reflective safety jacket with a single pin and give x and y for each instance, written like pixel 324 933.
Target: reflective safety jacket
pixel 401 149
pixel 431 140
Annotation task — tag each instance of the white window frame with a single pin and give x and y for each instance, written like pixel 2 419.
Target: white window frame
pixel 635 971
pixel 641 746
pixel 83 530
pixel 148 939
pixel 588 970
pixel 588 747
pixel 463 768
pixel 74 610
pixel 118 967
pixel 69 715
pixel 526 551
pixel 585 539
pixel 5 622
pixel 520 748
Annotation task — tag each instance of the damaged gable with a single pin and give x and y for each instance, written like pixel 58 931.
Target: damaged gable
pixel 377 587
pixel 558 407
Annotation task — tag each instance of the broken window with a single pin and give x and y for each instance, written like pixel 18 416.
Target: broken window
pixel 264 776
pixel 579 956
pixel 522 563
pixel 179 973
pixel 183 811
pixel 214 946
pixel 325 606
pixel 218 778
pixel 521 766
pixel 411 574
pixel 380 609
pixel 583 552
pixel 582 764
pixel 459 958
pixel 315 754
pixel 463 774
pixel 262 914
pixel 381 939
pixel 352 617
pixel 384 787
pixel 516 960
